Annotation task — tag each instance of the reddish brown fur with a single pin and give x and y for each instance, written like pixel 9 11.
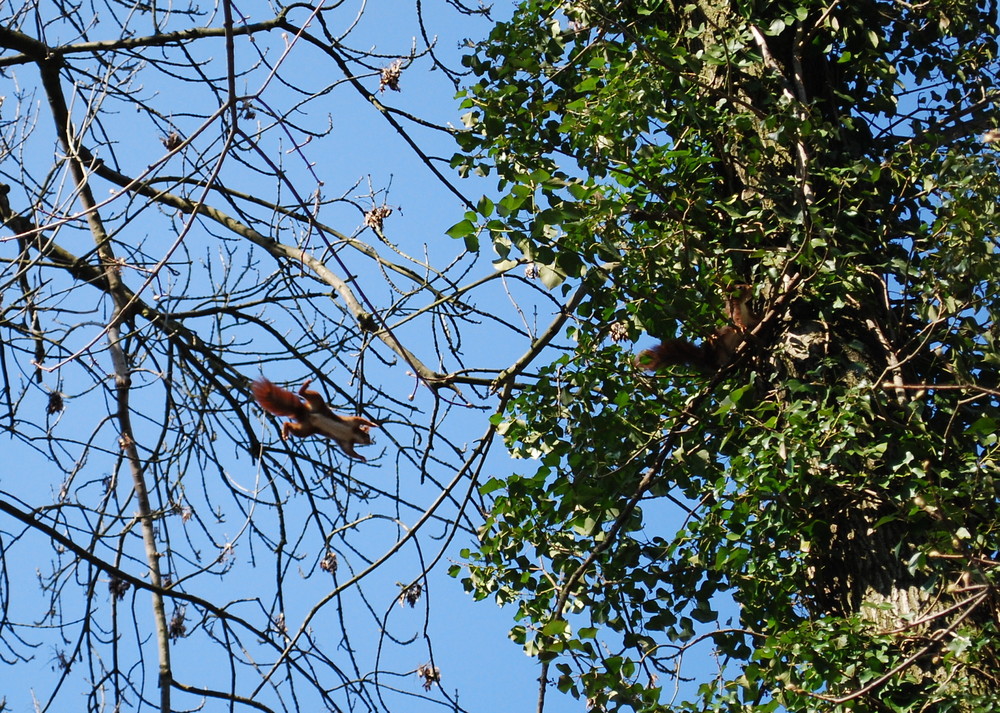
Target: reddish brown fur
pixel 716 351
pixel 278 401
pixel 311 416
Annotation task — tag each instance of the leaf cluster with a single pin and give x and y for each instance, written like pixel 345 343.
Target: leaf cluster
pixel 820 513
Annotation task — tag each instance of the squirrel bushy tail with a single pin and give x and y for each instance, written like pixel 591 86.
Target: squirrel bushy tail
pixel 716 351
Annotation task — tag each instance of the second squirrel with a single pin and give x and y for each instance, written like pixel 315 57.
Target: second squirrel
pixel 717 349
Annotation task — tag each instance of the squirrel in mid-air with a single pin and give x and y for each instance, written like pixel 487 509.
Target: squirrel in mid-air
pixel 717 349
pixel 310 416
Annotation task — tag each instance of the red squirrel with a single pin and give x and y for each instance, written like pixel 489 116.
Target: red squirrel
pixel 311 415
pixel 717 349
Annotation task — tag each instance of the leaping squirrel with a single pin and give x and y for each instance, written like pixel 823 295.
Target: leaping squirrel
pixel 717 349
pixel 311 415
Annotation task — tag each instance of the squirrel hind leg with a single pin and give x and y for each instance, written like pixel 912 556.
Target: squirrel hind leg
pixel 294 428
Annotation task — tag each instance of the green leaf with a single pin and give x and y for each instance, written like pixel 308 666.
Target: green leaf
pixel 550 276
pixel 461 229
pixel 555 627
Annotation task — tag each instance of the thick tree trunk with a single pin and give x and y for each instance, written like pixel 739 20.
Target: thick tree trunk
pixel 865 544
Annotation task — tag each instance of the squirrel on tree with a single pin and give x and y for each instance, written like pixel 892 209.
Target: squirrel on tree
pixel 311 415
pixel 717 349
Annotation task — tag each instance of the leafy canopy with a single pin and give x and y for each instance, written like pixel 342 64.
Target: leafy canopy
pixel 837 481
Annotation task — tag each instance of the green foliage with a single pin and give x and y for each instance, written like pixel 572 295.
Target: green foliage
pixel 838 482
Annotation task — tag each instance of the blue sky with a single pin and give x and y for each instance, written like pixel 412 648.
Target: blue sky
pixel 479 665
